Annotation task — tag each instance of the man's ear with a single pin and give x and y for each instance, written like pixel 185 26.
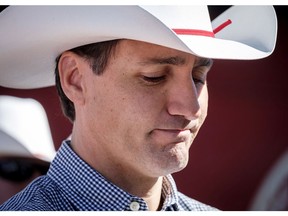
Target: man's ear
pixel 71 76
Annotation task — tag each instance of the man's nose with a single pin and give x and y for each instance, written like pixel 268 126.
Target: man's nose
pixel 183 100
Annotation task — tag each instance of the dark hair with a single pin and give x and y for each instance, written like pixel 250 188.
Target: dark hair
pixel 97 54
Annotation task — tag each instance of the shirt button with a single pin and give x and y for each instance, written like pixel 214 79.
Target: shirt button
pixel 134 206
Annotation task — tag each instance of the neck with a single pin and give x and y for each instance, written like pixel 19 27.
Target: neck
pixel 129 180
pixel 149 190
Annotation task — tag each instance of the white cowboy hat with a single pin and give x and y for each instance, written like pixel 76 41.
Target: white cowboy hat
pixel 33 36
pixel 24 129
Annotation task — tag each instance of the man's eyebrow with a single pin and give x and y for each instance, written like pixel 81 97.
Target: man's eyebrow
pixel 203 62
pixel 177 60
pixel 173 60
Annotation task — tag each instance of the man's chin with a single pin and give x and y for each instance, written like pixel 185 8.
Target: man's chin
pixel 177 162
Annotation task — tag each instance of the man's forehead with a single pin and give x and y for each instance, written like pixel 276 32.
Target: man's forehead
pixel 157 54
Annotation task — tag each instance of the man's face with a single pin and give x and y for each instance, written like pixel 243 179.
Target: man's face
pixel 144 112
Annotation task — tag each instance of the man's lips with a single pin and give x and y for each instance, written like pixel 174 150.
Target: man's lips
pixel 172 135
pixel 174 130
pixel 179 130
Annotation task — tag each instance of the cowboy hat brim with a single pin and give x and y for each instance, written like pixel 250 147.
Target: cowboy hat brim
pixel 33 36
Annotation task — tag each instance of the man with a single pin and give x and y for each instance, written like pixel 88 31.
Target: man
pixel 22 123
pixel 133 82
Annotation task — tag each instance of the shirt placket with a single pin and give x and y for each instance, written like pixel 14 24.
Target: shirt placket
pixel 136 204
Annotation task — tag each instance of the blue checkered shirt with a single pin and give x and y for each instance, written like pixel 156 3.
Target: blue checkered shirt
pixel 71 184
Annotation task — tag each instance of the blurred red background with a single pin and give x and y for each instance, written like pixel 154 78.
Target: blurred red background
pixel 245 133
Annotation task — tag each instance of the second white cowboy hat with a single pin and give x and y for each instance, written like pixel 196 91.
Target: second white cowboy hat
pixel 33 36
pixel 24 129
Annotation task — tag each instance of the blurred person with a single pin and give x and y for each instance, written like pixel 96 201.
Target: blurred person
pixel 272 194
pixel 133 81
pixel 23 123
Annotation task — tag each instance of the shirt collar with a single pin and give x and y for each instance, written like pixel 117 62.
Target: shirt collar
pixel 89 190
pixel 169 193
